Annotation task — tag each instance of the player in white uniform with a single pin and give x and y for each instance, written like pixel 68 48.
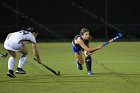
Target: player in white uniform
pixel 16 42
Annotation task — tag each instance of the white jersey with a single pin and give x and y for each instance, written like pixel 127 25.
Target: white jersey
pixel 20 36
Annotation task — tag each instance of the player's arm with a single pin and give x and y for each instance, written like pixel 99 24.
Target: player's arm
pixel 86 48
pixel 35 51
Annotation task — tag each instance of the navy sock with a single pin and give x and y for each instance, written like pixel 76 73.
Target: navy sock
pixel 88 62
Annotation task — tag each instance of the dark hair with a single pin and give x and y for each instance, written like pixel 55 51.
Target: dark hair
pixel 83 30
pixel 31 29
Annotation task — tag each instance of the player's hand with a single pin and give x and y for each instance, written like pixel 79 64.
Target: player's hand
pixel 88 53
pixel 99 47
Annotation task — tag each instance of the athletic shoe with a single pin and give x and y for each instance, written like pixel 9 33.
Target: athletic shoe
pixel 20 71
pixel 79 66
pixel 90 73
pixel 10 73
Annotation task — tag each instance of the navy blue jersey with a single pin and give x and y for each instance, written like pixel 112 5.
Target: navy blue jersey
pixel 76 47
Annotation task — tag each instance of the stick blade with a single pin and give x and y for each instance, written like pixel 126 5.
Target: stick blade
pixel 58 73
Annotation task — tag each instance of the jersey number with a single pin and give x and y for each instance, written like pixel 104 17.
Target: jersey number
pixel 24 32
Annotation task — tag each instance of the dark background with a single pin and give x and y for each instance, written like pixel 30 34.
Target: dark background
pixel 57 19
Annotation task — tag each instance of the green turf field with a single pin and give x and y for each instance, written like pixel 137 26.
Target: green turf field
pixel 116 69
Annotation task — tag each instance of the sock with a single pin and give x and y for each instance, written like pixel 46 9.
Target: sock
pixel 88 61
pixel 22 61
pixel 11 62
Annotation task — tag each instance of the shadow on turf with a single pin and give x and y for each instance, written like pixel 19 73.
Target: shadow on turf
pixel 63 78
pixel 34 78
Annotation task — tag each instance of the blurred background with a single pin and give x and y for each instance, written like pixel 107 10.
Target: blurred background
pixel 58 20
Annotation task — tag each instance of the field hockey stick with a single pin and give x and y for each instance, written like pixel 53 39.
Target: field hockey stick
pixel 119 35
pixel 3 55
pixel 50 69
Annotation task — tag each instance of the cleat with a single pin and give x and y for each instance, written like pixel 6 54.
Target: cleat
pixel 10 73
pixel 20 71
pixel 90 73
pixel 79 66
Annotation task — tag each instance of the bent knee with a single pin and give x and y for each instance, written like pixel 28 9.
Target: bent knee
pixel 81 61
pixel 24 54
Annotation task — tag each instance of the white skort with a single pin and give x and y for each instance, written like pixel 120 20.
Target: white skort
pixel 10 45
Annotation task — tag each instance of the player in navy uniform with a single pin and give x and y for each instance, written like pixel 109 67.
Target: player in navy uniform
pixel 16 41
pixel 80 45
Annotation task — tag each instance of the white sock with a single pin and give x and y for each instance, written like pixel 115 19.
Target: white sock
pixel 21 61
pixel 11 62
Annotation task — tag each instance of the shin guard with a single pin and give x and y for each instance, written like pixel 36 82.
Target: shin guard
pixel 88 62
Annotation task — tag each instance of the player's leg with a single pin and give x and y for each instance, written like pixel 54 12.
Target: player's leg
pixel 8 45
pixel 88 61
pixel 11 62
pixel 79 60
pixel 79 56
pixel 22 60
